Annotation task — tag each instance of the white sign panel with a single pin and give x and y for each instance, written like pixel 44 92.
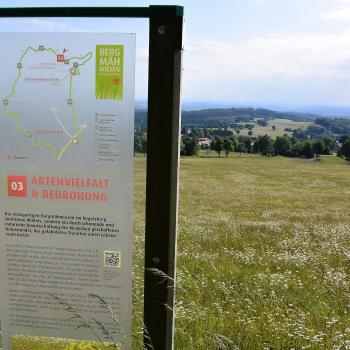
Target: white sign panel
pixel 66 146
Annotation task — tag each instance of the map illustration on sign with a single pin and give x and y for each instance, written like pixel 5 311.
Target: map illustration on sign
pixel 57 73
pixel 60 96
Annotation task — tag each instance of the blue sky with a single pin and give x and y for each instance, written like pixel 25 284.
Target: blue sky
pixel 285 53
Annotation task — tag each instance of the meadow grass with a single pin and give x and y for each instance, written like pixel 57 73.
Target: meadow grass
pixel 280 125
pixel 263 253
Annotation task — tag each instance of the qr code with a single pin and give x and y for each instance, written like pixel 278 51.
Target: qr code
pixel 112 258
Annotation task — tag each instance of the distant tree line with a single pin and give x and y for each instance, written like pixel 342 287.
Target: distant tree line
pixel 325 136
pixel 334 126
pixel 224 142
pixel 283 145
pixel 324 128
pixel 226 117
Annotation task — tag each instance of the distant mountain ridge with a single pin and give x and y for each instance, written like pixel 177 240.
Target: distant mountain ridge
pixel 246 118
pixel 224 117
pixel 246 112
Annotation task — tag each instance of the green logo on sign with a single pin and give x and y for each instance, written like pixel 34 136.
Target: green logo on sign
pixel 109 72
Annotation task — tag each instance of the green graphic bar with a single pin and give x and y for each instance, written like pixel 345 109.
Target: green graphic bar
pixel 109 72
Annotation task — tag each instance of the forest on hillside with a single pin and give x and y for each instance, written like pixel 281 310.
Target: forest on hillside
pixel 260 131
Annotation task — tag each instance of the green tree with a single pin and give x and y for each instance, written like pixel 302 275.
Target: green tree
pixel 241 148
pixel 228 146
pixel 212 145
pixel 319 147
pixel 297 150
pixel 262 122
pixel 327 150
pixel 345 150
pixel 263 145
pixel 248 144
pixel 144 146
pixel 190 146
pixel 219 145
pixel 282 145
pixel 137 143
pixel 234 142
pixel 182 148
pixel 307 151
pixel 245 144
pixel 328 142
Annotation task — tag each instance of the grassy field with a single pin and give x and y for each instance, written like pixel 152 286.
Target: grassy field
pixel 264 253
pixel 280 125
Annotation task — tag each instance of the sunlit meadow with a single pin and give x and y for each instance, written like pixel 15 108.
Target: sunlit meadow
pixel 263 253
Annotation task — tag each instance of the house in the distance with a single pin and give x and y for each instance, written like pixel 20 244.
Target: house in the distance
pixel 337 146
pixel 204 142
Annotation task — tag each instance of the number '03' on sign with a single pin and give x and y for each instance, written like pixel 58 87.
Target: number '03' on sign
pixel 17 186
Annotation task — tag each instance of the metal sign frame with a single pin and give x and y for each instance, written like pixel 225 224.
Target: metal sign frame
pixel 164 81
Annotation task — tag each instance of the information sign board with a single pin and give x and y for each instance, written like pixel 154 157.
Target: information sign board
pixel 66 147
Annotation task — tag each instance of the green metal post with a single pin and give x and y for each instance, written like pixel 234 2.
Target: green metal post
pixel 165 53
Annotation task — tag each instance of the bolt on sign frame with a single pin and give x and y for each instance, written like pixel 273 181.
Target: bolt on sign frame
pixel 165 55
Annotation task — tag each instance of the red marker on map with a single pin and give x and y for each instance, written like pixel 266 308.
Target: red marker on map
pixel 116 81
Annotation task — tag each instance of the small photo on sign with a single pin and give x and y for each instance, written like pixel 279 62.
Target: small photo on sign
pixel 109 72
pixel 32 342
pixel 112 258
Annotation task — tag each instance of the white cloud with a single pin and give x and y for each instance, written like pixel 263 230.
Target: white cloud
pixel 342 15
pixel 308 55
pixel 260 67
pixel 340 12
